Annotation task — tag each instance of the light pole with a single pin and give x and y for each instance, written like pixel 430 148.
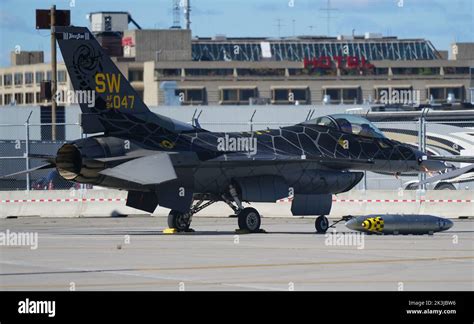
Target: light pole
pixel 54 86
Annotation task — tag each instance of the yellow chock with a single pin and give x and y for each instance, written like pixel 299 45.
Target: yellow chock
pixel 170 231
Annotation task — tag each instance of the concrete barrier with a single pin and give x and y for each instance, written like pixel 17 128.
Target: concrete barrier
pixel 105 203
pixel 64 203
pixel 451 204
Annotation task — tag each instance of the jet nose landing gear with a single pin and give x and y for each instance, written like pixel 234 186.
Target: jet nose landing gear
pixel 249 220
pixel 321 224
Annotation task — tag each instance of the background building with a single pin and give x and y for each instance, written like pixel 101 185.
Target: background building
pixel 346 69
pixel 286 80
pixel 169 67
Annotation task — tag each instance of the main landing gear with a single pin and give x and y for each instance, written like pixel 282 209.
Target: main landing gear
pixel 182 221
pixel 248 218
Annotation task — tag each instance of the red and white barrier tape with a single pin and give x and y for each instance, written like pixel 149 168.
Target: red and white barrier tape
pixel 61 200
pixel 285 200
pixel 364 201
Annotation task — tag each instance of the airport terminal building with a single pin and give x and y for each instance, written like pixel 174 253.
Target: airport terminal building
pixel 169 67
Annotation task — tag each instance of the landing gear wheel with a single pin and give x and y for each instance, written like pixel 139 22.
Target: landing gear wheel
pixel 180 221
pixel 249 219
pixel 445 186
pixel 321 224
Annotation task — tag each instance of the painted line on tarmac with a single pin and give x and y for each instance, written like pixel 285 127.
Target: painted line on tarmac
pixel 239 266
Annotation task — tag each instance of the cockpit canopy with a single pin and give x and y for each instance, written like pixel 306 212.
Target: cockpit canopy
pixel 349 124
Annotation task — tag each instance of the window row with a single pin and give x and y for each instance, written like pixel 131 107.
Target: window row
pixel 433 94
pixel 23 98
pixel 331 95
pixel 244 95
pixel 20 98
pixel 395 95
pixel 29 78
pixel 297 50
pixel 289 95
pixel 430 71
pixel 316 72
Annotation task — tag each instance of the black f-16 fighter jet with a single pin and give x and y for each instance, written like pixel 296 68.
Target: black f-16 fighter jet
pixel 185 168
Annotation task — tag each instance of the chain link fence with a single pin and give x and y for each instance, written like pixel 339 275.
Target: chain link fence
pixel 440 137
pixel 19 143
pixel 18 148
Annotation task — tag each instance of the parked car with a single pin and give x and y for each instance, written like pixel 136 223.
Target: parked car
pixel 53 181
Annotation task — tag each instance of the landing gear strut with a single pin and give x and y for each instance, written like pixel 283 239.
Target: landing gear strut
pixel 321 224
pixel 182 221
pixel 248 218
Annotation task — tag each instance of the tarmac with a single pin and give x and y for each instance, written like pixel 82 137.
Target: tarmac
pixel 132 253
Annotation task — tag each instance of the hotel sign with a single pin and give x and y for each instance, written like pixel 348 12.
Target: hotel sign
pixel 328 62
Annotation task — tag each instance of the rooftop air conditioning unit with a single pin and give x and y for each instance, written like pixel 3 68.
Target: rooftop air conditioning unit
pixel 373 35
pixel 220 37
pixel 108 21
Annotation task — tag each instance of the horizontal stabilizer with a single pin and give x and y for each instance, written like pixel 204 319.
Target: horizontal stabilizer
pixel 128 156
pixel 147 170
pixel 41 167
pixel 50 158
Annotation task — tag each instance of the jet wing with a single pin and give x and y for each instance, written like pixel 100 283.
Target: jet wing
pixel 147 170
pixel 239 158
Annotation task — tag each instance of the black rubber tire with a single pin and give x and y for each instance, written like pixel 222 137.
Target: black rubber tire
pixel 249 219
pixel 412 186
pixel 321 224
pixel 175 220
pixel 445 186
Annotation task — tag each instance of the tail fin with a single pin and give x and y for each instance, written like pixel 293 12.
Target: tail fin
pixel 117 106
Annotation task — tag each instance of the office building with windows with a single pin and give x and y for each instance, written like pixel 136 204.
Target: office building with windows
pixel 171 67
pixel 313 70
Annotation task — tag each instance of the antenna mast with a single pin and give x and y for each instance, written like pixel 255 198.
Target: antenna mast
pixel 176 15
pixel 328 11
pixel 187 13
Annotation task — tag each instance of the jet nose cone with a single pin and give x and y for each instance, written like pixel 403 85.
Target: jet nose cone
pixel 448 224
pixel 351 223
pixel 354 224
